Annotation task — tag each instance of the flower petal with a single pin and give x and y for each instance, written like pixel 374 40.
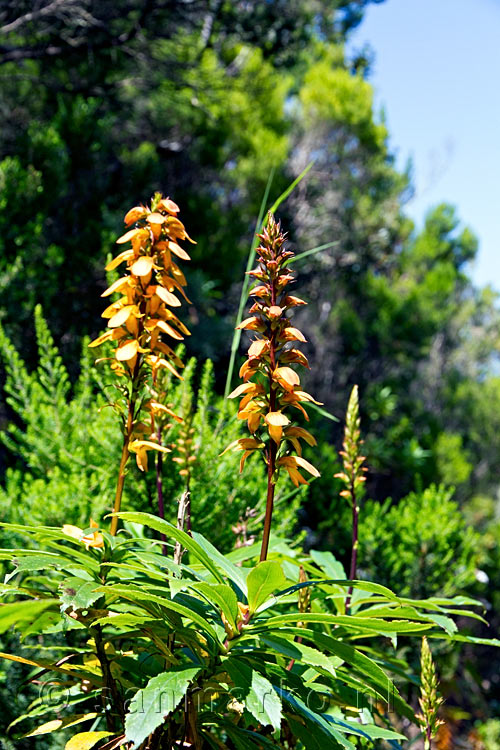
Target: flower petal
pixel 156 218
pixel 143 266
pixel 126 255
pixel 136 213
pixel 169 330
pixel 128 236
pixel 286 377
pixel 292 334
pixel 127 351
pixel 276 418
pixel 243 388
pixel 117 286
pixel 307 466
pixel 167 297
pixel 178 250
pixel 121 317
pixel 258 347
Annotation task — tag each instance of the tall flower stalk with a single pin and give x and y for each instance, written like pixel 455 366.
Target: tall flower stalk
pixel 429 700
pixel 140 320
pixel 271 387
pixel 353 476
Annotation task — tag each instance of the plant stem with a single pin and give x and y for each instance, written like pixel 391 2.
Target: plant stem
pixel 355 544
pixel 108 681
pixel 125 453
pixel 119 485
pixel 159 491
pixel 271 464
pixel 272 450
pixel 182 513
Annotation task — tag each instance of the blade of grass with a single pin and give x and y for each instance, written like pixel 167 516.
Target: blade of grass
pixel 313 251
pixel 323 412
pixel 284 195
pixel 251 257
pixel 246 280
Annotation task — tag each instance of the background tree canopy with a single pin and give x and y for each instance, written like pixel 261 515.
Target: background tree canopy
pixel 102 102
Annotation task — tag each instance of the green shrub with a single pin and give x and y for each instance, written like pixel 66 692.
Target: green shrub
pixel 420 547
pixel 65 448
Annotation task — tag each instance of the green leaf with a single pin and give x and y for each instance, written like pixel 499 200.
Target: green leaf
pixel 382 627
pixel 221 597
pixel 140 596
pixel 164 527
pixel 235 574
pixel 373 588
pixel 314 719
pixel 22 613
pixel 328 563
pixel 312 251
pixel 151 705
pixel 38 561
pixel 372 731
pixel 297 651
pixel 446 623
pixel 127 620
pixel 78 593
pixel 55 724
pixel 76 671
pixel 371 672
pixel 323 413
pixel 311 739
pixel 245 739
pixel 255 691
pixel 263 580
pixel 85 740
pixel 472 639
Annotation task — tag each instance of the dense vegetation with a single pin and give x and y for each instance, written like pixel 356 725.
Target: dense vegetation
pixel 223 104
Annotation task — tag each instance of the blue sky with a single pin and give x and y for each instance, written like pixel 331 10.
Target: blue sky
pixel 437 75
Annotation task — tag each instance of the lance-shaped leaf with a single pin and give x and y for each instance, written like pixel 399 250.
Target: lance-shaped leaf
pixel 19 614
pixel 254 691
pixel 189 543
pixel 152 705
pixel 78 593
pixel 262 581
pixel 86 740
pixel 55 724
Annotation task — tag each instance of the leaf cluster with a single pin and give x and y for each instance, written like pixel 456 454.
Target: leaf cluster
pixel 215 651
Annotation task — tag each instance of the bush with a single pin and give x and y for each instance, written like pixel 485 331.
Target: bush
pixel 65 445
pixel 420 547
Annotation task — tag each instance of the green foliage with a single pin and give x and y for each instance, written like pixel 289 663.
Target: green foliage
pixel 451 459
pixel 489 734
pixel 66 442
pixel 421 546
pixel 207 650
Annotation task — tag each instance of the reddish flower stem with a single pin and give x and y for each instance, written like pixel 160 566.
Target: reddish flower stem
pixel 159 491
pixel 125 454
pixel 354 550
pixel 273 448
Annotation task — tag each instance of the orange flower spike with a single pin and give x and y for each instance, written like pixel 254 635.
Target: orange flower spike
pixel 276 385
pixel 140 321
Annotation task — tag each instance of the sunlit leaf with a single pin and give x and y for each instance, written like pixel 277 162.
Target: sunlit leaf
pixel 262 581
pixel 149 708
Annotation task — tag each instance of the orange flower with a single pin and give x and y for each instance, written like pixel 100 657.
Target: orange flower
pixel 95 539
pixel 271 385
pixel 141 322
